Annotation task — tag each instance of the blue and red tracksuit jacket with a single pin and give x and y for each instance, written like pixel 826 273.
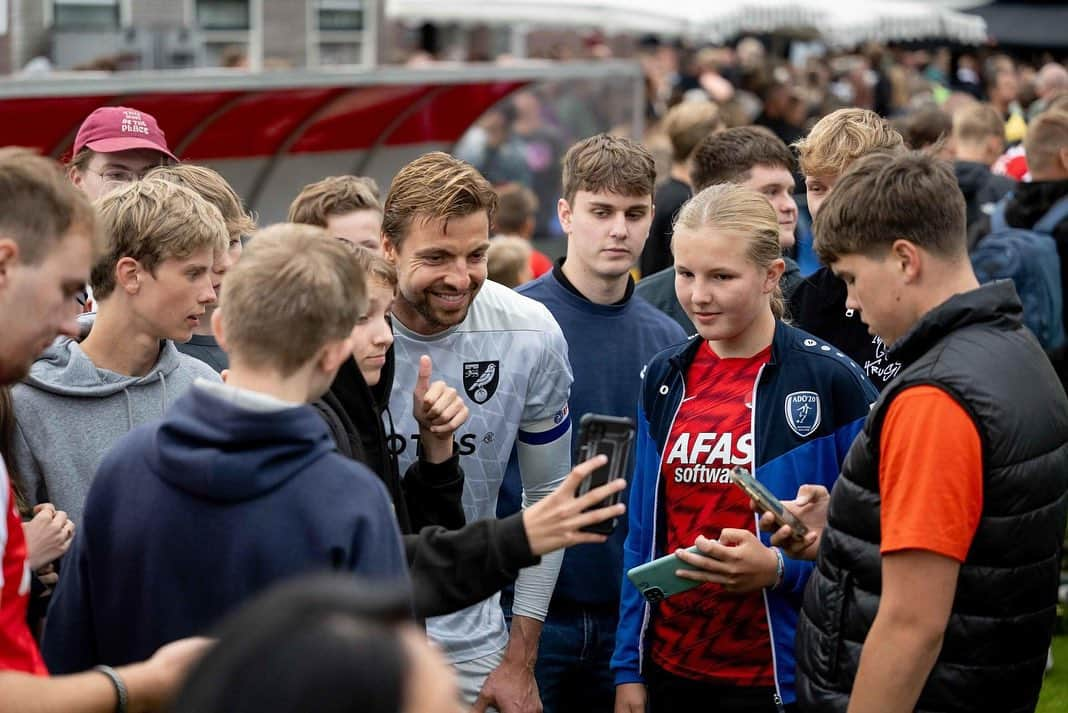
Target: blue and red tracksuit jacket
pixel 792 446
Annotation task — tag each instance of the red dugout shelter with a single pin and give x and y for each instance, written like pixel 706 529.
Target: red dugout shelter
pixel 272 133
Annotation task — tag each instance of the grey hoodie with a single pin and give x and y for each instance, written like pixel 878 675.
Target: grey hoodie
pixel 69 413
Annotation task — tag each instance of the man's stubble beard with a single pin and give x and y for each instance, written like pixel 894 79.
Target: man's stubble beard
pixel 430 315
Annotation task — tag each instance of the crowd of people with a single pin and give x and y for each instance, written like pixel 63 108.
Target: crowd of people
pixel 201 414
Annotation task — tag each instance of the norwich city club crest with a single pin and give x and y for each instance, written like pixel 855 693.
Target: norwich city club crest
pixel 481 379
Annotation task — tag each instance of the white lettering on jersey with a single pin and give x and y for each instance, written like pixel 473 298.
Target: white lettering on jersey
pixel 680 451
pixel 710 458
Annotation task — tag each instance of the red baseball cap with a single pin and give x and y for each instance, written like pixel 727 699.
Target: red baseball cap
pixel 118 128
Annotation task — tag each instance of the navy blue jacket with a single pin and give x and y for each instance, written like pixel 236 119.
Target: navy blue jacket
pixel 790 448
pixel 607 346
pixel 190 516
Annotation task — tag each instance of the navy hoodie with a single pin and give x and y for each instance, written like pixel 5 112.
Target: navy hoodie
pixel 190 516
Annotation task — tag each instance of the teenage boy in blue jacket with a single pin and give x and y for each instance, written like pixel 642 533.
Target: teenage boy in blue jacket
pixel 239 485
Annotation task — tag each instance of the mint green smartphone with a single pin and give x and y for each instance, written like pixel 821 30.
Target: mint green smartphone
pixel 657 580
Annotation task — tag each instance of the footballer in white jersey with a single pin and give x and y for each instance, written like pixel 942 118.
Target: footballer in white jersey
pixel 509 359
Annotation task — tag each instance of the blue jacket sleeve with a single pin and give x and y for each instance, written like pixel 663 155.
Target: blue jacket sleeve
pixel 377 549
pixel 795 575
pixel 853 396
pixel 626 659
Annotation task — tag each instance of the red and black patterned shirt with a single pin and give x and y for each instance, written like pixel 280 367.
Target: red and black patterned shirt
pixel 706 633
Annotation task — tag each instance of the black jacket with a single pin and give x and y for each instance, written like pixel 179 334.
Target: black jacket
pixel 670 196
pixel 981 188
pixel 975 348
pixel 818 306
pixel 452 565
pixel 429 494
pixel 658 290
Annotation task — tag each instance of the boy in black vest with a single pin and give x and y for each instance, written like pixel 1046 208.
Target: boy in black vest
pixel 939 548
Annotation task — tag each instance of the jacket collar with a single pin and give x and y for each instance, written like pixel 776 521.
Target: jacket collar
pixel 683 355
pixel 350 386
pixel 995 304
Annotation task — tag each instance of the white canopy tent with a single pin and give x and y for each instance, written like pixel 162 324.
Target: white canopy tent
pixel 838 23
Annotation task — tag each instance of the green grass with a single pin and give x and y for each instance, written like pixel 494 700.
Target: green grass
pixel 1054 697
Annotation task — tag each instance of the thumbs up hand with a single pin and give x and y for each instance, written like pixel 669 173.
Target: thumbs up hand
pixel 439 410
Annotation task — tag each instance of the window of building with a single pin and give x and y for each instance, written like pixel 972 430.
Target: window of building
pixel 230 31
pixel 86 15
pixel 345 15
pixel 223 14
pixel 338 31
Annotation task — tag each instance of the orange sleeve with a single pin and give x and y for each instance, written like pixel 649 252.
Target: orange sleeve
pixel 930 474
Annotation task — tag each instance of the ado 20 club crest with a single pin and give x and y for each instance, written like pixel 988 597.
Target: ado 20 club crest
pixel 803 412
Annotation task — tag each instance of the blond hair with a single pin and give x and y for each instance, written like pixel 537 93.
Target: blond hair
pixel 39 206
pixel 976 123
pixel 435 186
pixel 843 136
pixel 739 211
pixel 153 221
pixel 334 195
pixel 608 163
pixel 1046 138
pixel 213 188
pixel 507 258
pixel 294 290
pixel 687 123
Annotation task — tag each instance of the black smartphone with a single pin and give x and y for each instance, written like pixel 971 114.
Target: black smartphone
pixel 611 436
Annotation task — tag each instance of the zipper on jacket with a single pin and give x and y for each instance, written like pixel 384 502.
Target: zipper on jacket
pixel 756 522
pixel 656 506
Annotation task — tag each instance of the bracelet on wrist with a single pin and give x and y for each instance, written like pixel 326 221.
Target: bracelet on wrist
pixel 780 567
pixel 120 687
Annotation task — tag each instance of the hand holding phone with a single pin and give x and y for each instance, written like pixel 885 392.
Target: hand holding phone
pixel 767 501
pixel 610 436
pixel 657 580
pixel 810 506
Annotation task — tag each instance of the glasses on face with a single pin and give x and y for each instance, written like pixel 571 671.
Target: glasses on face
pixel 117 176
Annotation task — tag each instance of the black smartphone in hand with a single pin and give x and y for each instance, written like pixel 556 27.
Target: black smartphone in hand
pixel 611 436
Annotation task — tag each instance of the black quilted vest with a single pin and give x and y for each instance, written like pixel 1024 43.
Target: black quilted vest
pixel 975 348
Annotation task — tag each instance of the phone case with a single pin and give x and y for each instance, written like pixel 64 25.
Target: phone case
pixel 767 500
pixel 657 580
pixel 611 436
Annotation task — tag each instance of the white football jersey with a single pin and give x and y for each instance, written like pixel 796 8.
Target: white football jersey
pixel 508 360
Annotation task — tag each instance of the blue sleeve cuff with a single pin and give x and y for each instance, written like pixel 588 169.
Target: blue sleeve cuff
pixel 795 574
